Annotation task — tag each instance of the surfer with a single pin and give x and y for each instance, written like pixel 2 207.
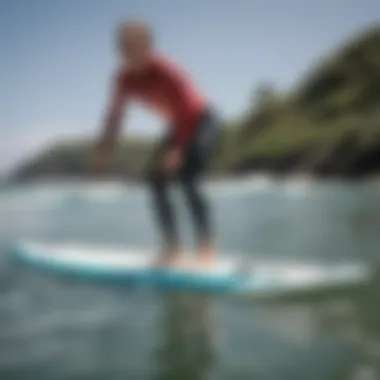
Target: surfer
pixel 193 134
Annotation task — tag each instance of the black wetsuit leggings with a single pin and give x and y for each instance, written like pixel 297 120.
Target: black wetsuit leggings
pixel 205 142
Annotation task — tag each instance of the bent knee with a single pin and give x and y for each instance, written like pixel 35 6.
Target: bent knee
pixel 156 181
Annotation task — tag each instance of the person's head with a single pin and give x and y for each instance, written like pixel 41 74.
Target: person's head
pixel 135 43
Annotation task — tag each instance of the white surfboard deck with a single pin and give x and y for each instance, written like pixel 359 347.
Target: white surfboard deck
pixel 230 274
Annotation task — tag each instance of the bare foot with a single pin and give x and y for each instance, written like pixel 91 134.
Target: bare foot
pixel 205 262
pixel 168 258
pixel 205 256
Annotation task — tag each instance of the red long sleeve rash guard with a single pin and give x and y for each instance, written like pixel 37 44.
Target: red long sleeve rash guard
pixel 166 89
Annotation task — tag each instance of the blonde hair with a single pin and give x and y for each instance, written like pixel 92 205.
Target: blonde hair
pixel 137 27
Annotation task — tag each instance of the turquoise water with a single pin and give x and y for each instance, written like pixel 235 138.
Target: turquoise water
pixel 56 328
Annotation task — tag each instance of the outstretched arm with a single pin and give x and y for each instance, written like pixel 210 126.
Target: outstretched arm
pixel 114 115
pixel 111 126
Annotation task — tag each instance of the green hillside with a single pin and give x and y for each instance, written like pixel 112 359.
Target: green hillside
pixel 330 124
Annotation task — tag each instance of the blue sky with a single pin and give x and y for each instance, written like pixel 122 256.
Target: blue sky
pixel 57 56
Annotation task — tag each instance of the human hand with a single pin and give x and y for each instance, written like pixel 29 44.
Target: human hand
pixel 101 160
pixel 172 160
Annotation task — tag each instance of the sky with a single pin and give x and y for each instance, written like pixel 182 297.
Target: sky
pixel 57 57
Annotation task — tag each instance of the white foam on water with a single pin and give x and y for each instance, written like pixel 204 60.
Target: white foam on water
pixel 50 194
pixel 241 186
pixel 99 193
pixel 31 200
pixel 298 187
pixel 44 195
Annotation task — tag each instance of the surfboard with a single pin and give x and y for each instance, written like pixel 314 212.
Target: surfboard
pixel 230 274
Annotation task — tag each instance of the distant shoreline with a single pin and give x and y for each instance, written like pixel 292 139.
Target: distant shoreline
pixel 212 179
pixel 327 128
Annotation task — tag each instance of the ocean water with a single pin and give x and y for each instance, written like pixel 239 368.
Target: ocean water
pixel 57 328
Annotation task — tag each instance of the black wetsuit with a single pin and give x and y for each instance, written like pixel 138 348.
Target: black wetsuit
pixel 202 146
